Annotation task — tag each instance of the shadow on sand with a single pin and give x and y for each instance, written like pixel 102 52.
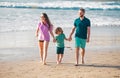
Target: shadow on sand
pixel 89 65
pixel 101 66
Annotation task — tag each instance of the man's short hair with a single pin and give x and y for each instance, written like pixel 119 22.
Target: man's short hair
pixel 83 10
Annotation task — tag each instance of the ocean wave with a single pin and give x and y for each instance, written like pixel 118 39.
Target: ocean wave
pixel 65 5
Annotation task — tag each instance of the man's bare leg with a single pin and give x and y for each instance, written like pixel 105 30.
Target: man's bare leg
pixel 82 55
pixel 77 56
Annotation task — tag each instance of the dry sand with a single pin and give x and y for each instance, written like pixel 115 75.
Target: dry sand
pixel 99 65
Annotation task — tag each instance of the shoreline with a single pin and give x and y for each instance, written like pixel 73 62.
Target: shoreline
pixel 24 45
pixel 110 35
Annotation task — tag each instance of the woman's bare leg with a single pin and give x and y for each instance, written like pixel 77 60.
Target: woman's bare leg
pixel 41 49
pixel 46 43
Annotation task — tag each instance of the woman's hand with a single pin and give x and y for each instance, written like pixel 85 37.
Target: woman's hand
pixel 36 34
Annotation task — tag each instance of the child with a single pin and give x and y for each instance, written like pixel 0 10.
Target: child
pixel 42 32
pixel 60 43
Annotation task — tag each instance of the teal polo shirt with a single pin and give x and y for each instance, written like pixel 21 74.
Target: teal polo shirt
pixel 81 27
pixel 60 40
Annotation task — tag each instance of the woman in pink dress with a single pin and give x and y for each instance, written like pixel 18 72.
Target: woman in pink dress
pixel 44 28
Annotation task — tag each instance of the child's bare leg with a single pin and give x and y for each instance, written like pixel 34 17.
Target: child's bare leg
pixel 61 57
pixel 41 49
pixel 58 56
pixel 46 43
pixel 82 55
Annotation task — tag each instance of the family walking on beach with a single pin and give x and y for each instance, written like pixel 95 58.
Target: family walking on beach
pixel 82 35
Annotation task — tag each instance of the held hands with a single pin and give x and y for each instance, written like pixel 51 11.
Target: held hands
pixel 54 40
pixel 70 38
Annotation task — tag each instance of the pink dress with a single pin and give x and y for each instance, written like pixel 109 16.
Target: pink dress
pixel 44 32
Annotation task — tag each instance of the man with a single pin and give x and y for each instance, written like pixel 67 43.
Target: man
pixel 82 34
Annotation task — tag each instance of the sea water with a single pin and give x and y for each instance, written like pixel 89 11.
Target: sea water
pixel 21 15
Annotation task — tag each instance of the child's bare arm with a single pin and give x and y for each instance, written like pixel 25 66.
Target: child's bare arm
pixel 67 39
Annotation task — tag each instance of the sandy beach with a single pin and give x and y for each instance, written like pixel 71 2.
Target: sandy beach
pixel 19 56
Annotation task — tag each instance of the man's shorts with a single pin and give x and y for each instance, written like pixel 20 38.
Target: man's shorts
pixel 60 50
pixel 79 42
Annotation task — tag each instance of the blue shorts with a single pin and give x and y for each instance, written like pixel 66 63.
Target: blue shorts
pixel 79 42
pixel 60 50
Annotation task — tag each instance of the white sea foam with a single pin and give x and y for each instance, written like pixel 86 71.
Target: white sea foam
pixel 65 5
